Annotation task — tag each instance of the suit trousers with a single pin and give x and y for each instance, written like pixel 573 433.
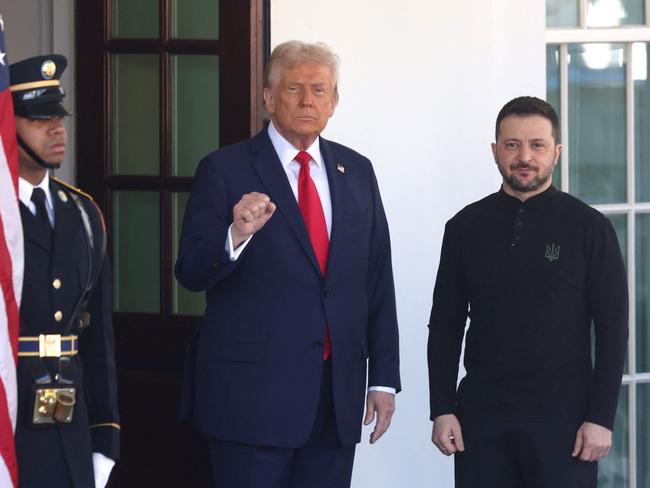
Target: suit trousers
pixel 322 462
pixel 514 454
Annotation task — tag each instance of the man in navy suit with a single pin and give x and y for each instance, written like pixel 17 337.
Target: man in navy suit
pixel 287 235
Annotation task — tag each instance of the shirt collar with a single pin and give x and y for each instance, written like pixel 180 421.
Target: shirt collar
pixel 25 190
pixel 531 202
pixel 287 152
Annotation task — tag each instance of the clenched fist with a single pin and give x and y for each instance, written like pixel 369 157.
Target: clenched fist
pixel 249 215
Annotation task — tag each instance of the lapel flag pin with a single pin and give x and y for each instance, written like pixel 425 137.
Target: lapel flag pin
pixel 340 168
pixel 62 196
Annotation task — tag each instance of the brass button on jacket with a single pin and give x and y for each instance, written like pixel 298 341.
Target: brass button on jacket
pixel 58 315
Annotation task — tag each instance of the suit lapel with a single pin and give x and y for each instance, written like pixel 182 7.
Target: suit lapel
pixel 31 229
pixel 66 222
pixel 268 167
pixel 337 195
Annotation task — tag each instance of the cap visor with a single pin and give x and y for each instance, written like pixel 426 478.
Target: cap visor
pixel 42 111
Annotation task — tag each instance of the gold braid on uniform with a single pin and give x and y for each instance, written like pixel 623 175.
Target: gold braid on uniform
pixel 72 188
pixel 106 424
pixel 84 194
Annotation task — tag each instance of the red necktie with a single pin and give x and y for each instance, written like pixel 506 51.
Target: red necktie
pixel 312 213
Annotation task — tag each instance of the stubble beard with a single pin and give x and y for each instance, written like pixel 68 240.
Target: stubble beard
pixel 516 184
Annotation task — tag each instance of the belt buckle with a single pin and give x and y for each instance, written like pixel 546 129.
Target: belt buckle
pixel 49 345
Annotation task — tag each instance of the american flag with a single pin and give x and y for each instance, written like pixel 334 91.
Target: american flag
pixel 11 273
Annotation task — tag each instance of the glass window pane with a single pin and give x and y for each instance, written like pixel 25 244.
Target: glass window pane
pixel 553 95
pixel 136 251
pixel 561 13
pixel 136 118
pixel 195 19
pixel 185 302
pixel 557 174
pixel 195 110
pixel 135 19
pixel 597 123
pixel 642 257
pixel 619 222
pixel 640 72
pixel 609 13
pixel 643 435
pixel 613 470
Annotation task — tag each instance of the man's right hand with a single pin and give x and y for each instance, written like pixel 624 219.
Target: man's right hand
pixel 447 435
pixel 249 215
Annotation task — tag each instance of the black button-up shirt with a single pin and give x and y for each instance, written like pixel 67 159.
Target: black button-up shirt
pixel 532 277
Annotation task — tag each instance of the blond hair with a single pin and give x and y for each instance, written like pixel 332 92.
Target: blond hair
pixel 292 53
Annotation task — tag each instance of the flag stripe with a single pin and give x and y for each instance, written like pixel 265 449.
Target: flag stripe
pixel 7 283
pixel 11 275
pixel 11 258
pixel 13 233
pixel 7 449
pixel 5 477
pixel 9 325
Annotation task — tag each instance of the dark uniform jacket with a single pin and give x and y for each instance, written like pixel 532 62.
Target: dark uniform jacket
pixel 61 455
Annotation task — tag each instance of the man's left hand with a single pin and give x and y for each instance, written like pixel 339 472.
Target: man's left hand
pixel 592 442
pixel 384 404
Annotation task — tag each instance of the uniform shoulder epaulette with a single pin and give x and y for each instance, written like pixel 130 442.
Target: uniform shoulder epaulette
pixel 72 188
pixel 84 194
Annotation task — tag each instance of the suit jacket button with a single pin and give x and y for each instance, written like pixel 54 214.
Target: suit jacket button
pixel 317 344
pixel 58 315
pixel 56 284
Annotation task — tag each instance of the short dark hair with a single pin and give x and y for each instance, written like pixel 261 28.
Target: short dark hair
pixel 523 106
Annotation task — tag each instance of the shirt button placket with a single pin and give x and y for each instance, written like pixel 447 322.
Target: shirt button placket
pixel 519 224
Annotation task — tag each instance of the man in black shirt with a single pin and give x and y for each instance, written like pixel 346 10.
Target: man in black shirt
pixel 533 268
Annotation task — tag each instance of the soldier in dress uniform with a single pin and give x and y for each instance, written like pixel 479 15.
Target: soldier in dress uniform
pixel 67 433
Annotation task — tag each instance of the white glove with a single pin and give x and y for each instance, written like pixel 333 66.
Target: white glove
pixel 102 466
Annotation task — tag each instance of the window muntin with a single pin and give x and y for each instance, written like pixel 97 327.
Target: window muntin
pixel 616 182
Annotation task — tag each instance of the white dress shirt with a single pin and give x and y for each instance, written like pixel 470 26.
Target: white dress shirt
pixel 102 465
pixel 286 153
pixel 25 190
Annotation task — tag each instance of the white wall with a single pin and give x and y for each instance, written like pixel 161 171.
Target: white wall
pixel 35 27
pixel 422 82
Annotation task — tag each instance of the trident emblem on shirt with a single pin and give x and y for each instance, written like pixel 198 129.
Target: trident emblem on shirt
pixel 552 252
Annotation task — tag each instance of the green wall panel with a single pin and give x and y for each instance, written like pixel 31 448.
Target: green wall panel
pixel 136 126
pixel 135 18
pixel 136 251
pixel 185 302
pixel 195 110
pixel 195 19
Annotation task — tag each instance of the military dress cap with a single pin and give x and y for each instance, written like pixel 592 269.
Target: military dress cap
pixel 36 86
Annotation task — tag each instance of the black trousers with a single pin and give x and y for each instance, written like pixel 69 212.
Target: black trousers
pixel 322 462
pixel 512 454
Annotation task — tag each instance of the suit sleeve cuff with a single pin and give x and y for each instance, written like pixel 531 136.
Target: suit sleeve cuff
pixel 233 254
pixel 385 389
pixel 105 439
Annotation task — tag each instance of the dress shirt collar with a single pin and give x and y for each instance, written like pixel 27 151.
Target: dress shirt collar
pixel 287 152
pixel 25 190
